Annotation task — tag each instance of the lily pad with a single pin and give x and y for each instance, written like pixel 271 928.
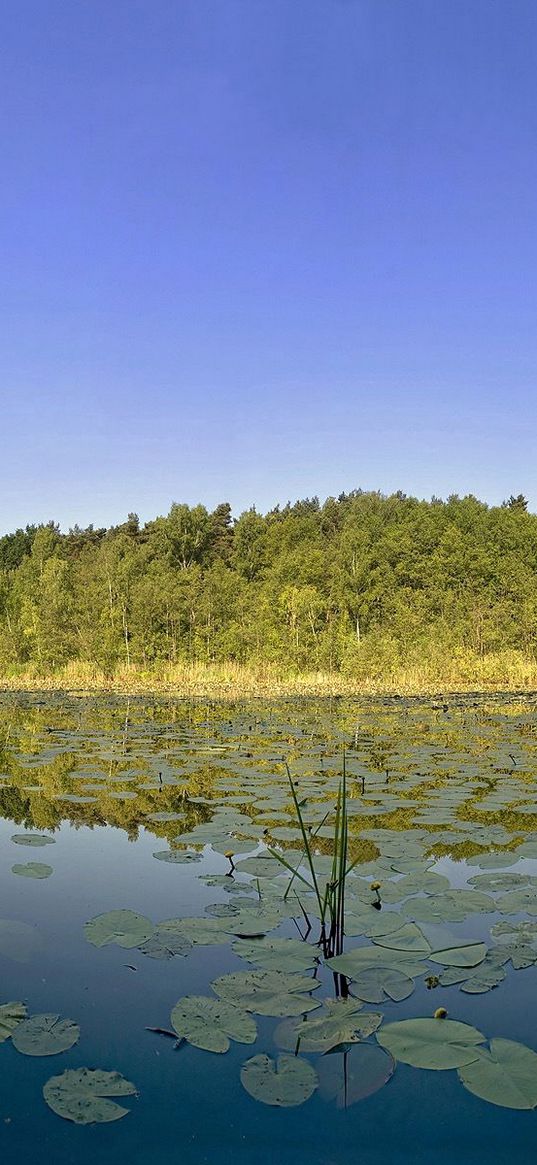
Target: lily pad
pixel 199 931
pixel 268 992
pixel 431 1043
pixel 408 937
pixel 36 839
pixel 165 943
pixel 211 1023
pixel 345 1023
pixel 45 1035
pixel 177 857
pixel 463 955
pixel 284 954
pixel 32 870
pixel 124 927
pixel 506 1075
pixel 81 1095
pixel 11 1015
pixel 375 983
pixel 285 1082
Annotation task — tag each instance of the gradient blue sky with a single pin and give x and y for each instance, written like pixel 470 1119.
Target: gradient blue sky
pixel 254 250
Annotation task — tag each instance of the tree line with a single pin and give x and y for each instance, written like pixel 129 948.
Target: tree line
pixel 361 581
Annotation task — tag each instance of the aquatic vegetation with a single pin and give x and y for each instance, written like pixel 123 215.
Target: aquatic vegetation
pixel 211 1023
pixel 504 1074
pixel 437 1043
pixel 11 1015
pixel 82 1095
pixel 285 1082
pixel 45 1035
pixel 124 927
pixel 32 870
pixel 313 906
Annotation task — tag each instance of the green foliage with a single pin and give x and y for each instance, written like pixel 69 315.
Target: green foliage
pixel 364 585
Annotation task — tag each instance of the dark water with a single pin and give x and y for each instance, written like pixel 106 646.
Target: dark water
pixel 191 1105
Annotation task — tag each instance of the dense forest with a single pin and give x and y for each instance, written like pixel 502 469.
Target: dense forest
pixel 362 584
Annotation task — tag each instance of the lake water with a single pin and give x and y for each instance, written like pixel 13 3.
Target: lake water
pixel 438 788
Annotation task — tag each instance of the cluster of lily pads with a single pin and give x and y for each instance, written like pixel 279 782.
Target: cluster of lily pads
pixel 81 1095
pixel 32 869
pixel 422 782
pixel 401 952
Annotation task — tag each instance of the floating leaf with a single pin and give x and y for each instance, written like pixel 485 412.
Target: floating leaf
pixel 354 962
pixel 274 993
pixel 37 839
pixel 262 866
pixel 177 857
pixel 81 1095
pixel 431 1043
pixel 359 1073
pixel 211 1023
pixel 346 1023
pixel 11 1015
pixel 286 1082
pixel 165 943
pixel 199 931
pixel 284 954
pixel 32 870
pixel 45 1035
pixel 485 979
pixel 375 983
pixel 506 1075
pixel 461 955
pixel 123 927
pixel 408 937
pixel 518 901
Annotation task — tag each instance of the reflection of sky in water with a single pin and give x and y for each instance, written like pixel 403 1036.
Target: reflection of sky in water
pixel 192 1107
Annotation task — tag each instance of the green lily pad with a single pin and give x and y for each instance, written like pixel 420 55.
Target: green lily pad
pixel 519 901
pixel 222 910
pixel 177 857
pixel 32 870
pixel 233 845
pixel 350 1078
pixel 375 983
pixel 81 1095
pixel 285 1082
pixel 199 931
pixel 485 979
pixel 464 955
pixel 352 963
pixel 36 839
pixel 45 1035
pixel 256 921
pixel 123 927
pixel 263 866
pixel 165 943
pixel 345 1023
pixel 11 1015
pixel 284 954
pixel 506 1075
pixel 211 1023
pixel 408 937
pixel 274 993
pixel 431 1043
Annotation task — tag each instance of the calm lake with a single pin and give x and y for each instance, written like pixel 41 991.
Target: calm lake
pixel 171 811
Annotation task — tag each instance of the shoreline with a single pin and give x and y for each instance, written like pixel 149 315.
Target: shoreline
pixel 234 682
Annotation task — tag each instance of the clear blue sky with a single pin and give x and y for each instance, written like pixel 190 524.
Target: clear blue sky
pixel 254 250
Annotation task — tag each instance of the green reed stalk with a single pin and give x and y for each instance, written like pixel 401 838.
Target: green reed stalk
pixel 331 903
